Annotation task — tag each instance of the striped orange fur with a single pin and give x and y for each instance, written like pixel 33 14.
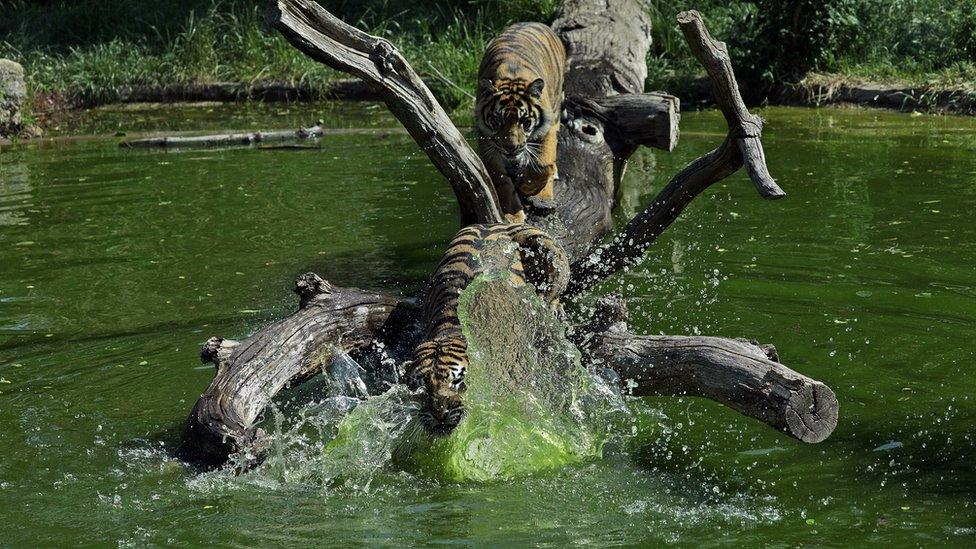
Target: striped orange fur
pixel 440 361
pixel 520 93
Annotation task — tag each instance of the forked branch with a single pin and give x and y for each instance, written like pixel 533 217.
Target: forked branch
pixel 325 38
pixel 742 145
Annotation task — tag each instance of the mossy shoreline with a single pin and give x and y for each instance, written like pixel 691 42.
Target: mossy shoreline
pixel 85 53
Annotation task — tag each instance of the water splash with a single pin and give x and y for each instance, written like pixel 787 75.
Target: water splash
pixel 530 403
pixel 530 406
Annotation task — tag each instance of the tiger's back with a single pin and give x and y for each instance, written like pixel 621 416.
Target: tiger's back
pixel 439 362
pixel 528 51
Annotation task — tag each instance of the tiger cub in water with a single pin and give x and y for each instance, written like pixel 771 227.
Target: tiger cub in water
pixel 520 93
pixel 440 361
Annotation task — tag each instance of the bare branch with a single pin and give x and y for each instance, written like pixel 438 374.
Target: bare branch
pixel 741 145
pixel 285 353
pixel 325 38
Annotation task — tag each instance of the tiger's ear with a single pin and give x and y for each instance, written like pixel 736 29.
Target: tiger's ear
pixel 535 88
pixel 487 85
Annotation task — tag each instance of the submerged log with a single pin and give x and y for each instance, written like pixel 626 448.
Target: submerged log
pixel 249 138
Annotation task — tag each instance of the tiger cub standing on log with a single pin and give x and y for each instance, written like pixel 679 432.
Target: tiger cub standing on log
pixel 440 361
pixel 520 93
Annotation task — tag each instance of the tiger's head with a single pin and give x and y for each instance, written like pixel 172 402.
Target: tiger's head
pixel 512 118
pixel 439 367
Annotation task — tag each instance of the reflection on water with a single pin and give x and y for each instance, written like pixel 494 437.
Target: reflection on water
pixel 862 277
pixel 15 192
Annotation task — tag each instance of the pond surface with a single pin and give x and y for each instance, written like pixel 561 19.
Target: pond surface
pixel 115 265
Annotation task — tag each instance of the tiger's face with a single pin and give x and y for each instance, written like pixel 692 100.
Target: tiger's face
pixel 512 120
pixel 439 367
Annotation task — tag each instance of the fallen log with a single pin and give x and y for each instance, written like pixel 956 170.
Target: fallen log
pixel 249 138
pixel 737 373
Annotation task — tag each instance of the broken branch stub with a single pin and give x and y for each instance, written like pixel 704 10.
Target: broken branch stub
pixel 742 145
pixel 322 36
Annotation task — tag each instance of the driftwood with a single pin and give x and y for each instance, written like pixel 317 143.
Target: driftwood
pixel 742 374
pixel 322 36
pixel 606 117
pixel 249 138
pixel 285 353
pixel 607 43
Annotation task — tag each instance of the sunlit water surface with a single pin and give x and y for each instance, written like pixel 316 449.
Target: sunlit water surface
pixel 115 265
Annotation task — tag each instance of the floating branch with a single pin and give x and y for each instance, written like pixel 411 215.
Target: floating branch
pixel 218 140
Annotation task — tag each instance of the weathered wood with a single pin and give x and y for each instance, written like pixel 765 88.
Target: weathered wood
pixel 249 138
pixel 633 119
pixel 322 36
pixel 607 42
pixel 737 373
pixel 745 375
pixel 288 352
pixel 741 146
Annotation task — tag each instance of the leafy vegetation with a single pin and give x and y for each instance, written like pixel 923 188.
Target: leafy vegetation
pixel 91 50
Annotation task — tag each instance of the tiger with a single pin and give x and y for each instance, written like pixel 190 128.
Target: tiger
pixel 439 363
pixel 517 111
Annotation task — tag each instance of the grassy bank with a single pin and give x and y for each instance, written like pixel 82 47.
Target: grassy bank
pixel 89 51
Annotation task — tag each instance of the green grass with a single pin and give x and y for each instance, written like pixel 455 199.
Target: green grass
pixel 90 51
pixel 104 48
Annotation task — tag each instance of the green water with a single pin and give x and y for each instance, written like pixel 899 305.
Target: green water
pixel 115 265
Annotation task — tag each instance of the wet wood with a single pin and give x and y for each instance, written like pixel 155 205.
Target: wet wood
pixel 742 374
pixel 288 352
pixel 605 119
pixel 737 373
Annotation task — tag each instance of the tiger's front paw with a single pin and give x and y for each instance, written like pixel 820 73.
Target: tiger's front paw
pixel 516 218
